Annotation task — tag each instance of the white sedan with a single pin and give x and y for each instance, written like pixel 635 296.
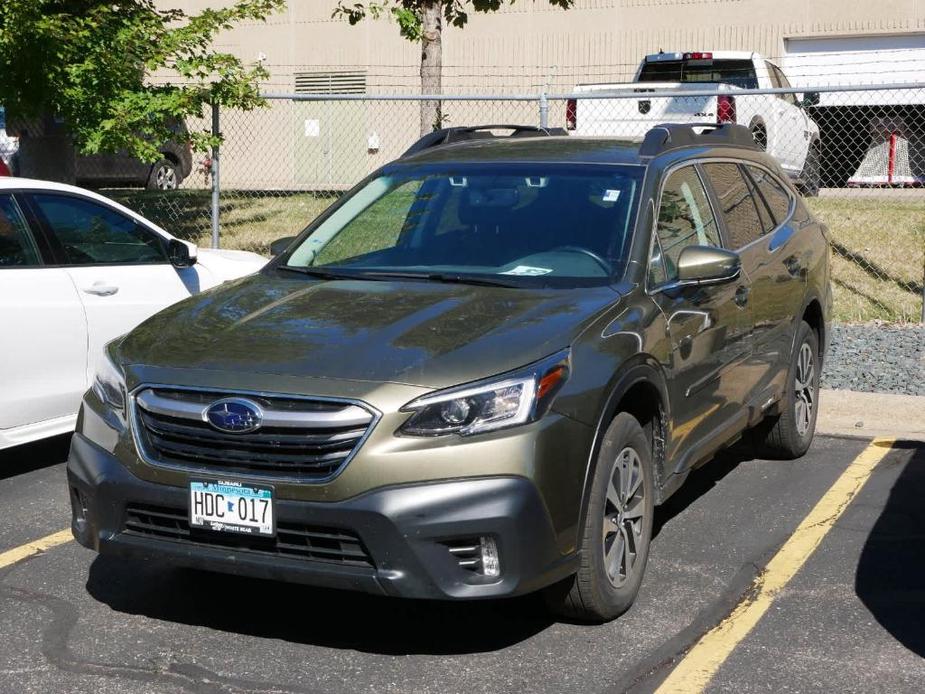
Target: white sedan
pixel 77 270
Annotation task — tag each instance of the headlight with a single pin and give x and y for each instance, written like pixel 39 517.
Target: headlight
pixel 108 382
pixel 504 401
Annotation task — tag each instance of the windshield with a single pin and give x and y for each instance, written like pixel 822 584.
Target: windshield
pixel 547 225
pixel 740 73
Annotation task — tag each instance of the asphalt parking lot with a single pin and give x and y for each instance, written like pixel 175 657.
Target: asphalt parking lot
pixel 852 618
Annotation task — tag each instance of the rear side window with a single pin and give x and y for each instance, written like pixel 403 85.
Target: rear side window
pixel 685 218
pixel 736 204
pixel 17 248
pixel 92 234
pixel 773 192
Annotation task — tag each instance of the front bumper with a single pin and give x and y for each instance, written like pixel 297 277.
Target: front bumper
pixel 403 530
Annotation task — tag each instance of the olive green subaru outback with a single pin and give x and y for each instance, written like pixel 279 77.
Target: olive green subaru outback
pixel 475 375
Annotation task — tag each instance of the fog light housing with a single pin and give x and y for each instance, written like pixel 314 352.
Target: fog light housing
pixel 491 561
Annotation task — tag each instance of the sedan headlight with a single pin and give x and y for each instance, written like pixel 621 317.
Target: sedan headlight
pixel 108 382
pixel 504 401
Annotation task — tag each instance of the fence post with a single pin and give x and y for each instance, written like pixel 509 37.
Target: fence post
pixel 215 179
pixel 544 110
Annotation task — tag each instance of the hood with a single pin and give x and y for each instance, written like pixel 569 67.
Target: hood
pixel 419 333
pixel 228 264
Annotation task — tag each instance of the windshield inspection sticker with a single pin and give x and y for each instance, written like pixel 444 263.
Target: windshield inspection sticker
pixel 528 271
pixel 611 195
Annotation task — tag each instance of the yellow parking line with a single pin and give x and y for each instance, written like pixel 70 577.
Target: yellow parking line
pixel 694 672
pixel 27 550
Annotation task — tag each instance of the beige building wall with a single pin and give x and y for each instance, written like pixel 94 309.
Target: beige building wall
pixel 530 43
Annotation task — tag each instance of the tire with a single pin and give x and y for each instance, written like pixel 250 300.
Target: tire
pixel 608 580
pixel 812 173
pixel 789 434
pixel 164 176
pixel 760 136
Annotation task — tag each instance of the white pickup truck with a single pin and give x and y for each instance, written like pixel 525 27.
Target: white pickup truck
pixel 779 122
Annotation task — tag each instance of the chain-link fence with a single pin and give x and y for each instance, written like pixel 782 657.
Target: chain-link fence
pixel 857 154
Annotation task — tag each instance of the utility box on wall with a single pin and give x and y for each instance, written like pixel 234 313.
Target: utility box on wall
pixel 330 139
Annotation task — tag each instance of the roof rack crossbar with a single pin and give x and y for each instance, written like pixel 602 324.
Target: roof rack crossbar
pixel 666 136
pixel 445 136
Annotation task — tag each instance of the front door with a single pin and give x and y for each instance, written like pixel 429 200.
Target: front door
pixel 118 267
pixel 709 325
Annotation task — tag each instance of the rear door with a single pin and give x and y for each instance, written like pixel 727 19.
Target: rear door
pixel 770 263
pixel 118 266
pixel 709 325
pixel 43 338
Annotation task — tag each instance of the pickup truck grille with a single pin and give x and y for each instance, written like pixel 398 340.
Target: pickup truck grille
pixel 302 439
pixel 292 539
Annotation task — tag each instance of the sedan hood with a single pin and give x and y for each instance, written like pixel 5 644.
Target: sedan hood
pixel 420 333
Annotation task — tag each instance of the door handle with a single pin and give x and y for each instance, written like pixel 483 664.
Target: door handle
pixel 741 297
pixel 101 289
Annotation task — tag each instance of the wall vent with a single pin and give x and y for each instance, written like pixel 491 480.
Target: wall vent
pixel 347 82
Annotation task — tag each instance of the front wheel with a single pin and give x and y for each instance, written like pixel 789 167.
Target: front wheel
pixel 164 176
pixel 812 173
pixel 617 529
pixel 789 434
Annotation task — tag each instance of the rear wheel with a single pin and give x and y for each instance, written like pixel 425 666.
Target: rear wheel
pixel 760 135
pixel 617 529
pixel 164 176
pixel 789 434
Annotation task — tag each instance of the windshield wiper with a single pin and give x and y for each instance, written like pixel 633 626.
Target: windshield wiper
pixel 444 277
pixel 318 272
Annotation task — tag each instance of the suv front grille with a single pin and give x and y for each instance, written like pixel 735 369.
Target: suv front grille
pixel 310 440
pixel 292 539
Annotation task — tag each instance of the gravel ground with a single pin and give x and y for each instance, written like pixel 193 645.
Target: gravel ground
pixel 876 358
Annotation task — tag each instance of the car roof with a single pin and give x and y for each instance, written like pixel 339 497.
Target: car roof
pixel 556 149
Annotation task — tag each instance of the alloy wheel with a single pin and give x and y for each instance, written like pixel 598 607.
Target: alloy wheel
pixel 166 178
pixel 805 388
pixel 624 511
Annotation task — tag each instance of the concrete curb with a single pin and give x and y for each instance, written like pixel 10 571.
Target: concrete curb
pixel 850 413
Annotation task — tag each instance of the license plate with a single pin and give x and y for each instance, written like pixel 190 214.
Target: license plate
pixel 231 507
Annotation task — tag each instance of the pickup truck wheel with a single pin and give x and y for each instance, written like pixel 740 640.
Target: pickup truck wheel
pixel 617 529
pixel 789 434
pixel 760 135
pixel 812 172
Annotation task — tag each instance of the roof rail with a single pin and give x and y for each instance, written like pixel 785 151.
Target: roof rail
pixel 666 136
pixel 445 136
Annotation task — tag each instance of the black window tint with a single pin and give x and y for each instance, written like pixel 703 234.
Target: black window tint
pixel 17 248
pixel 685 218
pixel 773 192
pixel 743 225
pixel 764 214
pixel 90 233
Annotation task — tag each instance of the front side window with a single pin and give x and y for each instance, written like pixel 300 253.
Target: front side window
pixel 743 223
pixel 89 233
pixel 17 248
pixel 685 218
pixel 519 224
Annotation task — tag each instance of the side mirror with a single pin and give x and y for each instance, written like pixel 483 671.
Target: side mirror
pixel 280 245
pixel 707 265
pixel 810 99
pixel 179 254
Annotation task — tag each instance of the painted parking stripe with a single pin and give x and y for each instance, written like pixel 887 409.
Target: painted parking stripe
pixel 35 547
pixel 694 672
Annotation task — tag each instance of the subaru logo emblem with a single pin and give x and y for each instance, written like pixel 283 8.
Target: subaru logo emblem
pixel 234 415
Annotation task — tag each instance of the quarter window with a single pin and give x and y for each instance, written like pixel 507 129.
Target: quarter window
pixel 17 248
pixel 90 234
pixel 743 224
pixel 685 218
pixel 774 193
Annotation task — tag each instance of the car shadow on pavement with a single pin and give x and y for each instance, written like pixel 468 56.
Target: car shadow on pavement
pixel 313 616
pixel 890 571
pixel 28 457
pixel 702 480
